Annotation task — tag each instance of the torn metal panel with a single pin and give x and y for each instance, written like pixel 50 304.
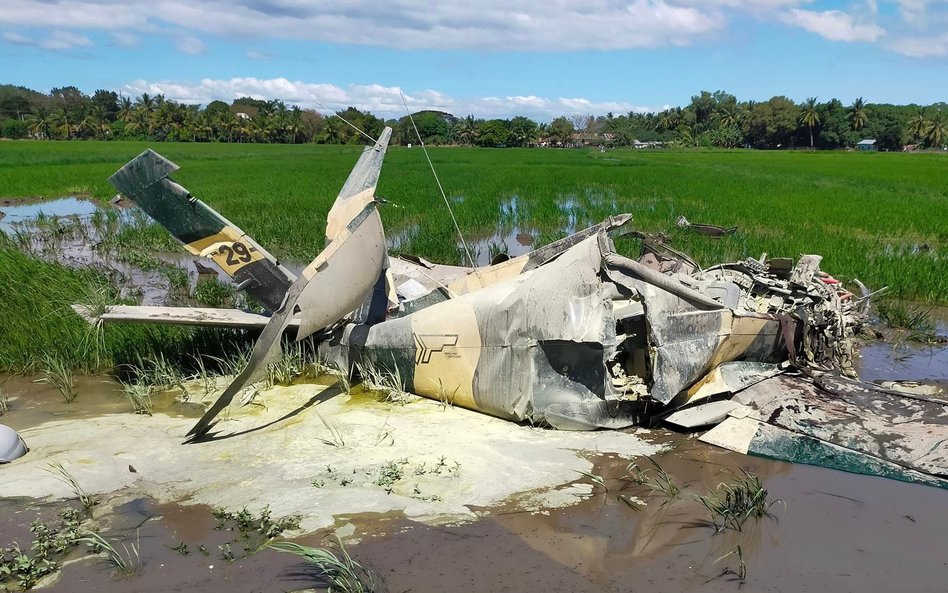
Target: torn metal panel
pixel 752 437
pixel 705 414
pixel 728 378
pixel 201 230
pixel 896 428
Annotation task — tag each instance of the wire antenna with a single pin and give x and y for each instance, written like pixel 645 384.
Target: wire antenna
pixel 351 125
pixel 467 251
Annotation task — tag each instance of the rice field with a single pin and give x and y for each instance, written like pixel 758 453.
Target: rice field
pixel 879 217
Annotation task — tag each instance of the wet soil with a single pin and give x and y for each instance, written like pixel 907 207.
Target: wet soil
pixel 831 531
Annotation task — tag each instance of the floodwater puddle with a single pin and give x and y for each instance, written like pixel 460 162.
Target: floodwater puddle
pixel 907 361
pixel 826 530
pixel 76 233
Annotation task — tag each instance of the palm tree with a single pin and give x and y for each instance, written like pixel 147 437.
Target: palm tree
pixel 729 115
pixel 467 130
pixel 41 125
pixel 937 132
pixel 145 102
pixel 810 117
pixel 858 114
pixel 918 125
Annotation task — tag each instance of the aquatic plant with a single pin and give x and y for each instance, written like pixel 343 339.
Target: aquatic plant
pixel 343 573
pixel 732 503
pixel 741 572
pixel 58 374
pixel 62 474
pixel 139 395
pixel 915 319
pixel 335 438
pixel 384 380
pixel 124 562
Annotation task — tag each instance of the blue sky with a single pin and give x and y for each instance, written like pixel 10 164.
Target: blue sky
pixel 486 57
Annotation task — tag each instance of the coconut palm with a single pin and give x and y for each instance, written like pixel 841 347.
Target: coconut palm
pixel 936 132
pixel 858 114
pixel 810 117
pixel 918 125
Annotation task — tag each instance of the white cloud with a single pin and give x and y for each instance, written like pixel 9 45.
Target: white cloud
pixel 189 44
pixel 834 25
pixel 485 25
pixel 384 101
pixel 65 40
pixel 17 39
pixel 921 47
pixel 124 39
pixel 57 40
pixel 556 25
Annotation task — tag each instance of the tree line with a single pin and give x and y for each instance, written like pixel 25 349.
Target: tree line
pixel 710 120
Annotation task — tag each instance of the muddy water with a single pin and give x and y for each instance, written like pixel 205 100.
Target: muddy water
pixel 831 532
pixel 69 231
pixel 885 361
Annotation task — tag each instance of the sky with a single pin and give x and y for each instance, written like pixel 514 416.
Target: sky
pixel 489 58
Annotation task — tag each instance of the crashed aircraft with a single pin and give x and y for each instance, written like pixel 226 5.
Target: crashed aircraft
pixel 574 335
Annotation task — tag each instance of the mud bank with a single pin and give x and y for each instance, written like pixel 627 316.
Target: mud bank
pixel 831 532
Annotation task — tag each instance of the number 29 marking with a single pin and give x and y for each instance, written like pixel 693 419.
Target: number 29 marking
pixel 238 253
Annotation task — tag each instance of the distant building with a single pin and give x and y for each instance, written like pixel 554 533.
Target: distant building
pixel 867 144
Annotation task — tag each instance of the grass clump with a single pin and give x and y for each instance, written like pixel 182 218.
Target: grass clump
pixel 124 562
pixel 87 500
pixel 732 503
pixel 914 319
pixel 342 572
pixel 58 374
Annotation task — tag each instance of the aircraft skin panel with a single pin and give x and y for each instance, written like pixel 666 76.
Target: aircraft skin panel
pixel 202 231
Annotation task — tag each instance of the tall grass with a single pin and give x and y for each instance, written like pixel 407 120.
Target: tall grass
pixel 39 325
pixel 341 571
pixel 878 217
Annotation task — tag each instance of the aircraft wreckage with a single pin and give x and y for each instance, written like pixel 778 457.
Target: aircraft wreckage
pixel 573 335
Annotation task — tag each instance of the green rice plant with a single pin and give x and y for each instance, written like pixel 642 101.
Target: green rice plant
pixel 732 503
pixel 916 320
pixel 124 562
pixel 344 574
pixel 139 395
pixel 387 382
pixel 160 373
pixel 660 481
pixel 336 438
pixel 597 480
pixel 58 374
pixel 211 292
pixel 290 365
pixel 741 572
pixel 444 397
pixel 87 500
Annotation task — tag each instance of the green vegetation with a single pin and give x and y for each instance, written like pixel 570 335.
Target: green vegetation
pixel 343 573
pixel 710 119
pixel 731 503
pixel 878 217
